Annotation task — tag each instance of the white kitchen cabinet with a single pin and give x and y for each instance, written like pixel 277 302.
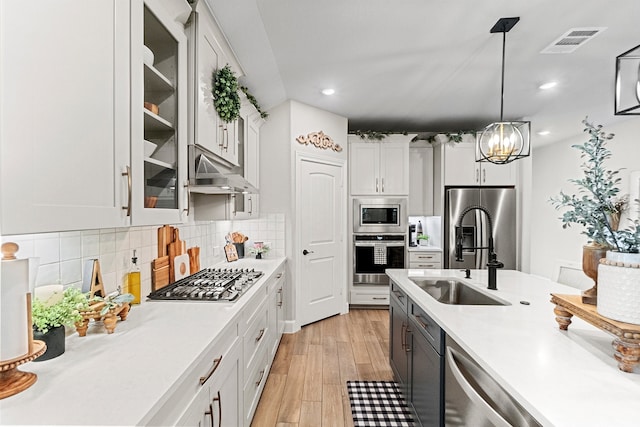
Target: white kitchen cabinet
pixel 158 178
pixel 246 206
pixel 460 167
pixel 64 79
pixel 276 310
pixel 425 259
pixel 379 168
pixel 208 54
pixel 420 200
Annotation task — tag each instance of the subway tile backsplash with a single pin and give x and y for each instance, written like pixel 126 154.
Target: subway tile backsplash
pixel 62 256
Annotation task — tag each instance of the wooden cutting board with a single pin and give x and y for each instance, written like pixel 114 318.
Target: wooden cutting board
pixel 159 273
pixel 181 266
pixel 194 259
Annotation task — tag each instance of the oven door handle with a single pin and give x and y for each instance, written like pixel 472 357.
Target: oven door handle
pixel 372 244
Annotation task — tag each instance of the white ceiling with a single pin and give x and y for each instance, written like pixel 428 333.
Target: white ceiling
pixel 432 65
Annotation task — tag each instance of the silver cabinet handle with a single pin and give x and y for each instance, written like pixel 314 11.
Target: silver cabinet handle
pixel 473 395
pixel 407 331
pixel 232 197
pixel 260 334
pixel 484 175
pixel 250 205
pixel 377 189
pixel 226 139
pixel 129 186
pixel 403 338
pixel 379 298
pixel 188 190
pixel 398 294
pixel 420 321
pixel 221 142
pixel 279 275
pixel 216 363
pixel 477 175
pixel 260 379
pixel 382 179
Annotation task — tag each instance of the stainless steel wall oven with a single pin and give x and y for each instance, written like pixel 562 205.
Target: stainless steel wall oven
pixel 372 254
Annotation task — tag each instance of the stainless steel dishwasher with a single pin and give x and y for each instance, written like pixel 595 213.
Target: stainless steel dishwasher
pixel 474 398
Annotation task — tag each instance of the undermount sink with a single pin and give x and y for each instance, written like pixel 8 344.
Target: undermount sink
pixel 456 293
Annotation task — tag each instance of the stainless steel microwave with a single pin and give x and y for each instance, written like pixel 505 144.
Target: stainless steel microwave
pixel 380 215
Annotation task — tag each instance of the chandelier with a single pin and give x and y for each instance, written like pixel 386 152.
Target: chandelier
pixel 504 141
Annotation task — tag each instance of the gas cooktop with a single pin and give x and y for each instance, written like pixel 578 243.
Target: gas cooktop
pixel 210 284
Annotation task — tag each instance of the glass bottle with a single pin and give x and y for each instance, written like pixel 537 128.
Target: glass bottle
pixel 133 280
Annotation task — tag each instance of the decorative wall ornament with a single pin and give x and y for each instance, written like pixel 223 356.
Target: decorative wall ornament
pixel 320 140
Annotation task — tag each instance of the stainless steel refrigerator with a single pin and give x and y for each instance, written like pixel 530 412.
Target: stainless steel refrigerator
pixel 501 204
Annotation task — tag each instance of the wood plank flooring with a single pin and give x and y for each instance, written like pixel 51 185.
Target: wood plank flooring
pixel 307 385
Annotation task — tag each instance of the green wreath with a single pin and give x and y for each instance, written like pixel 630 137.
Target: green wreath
pixel 225 94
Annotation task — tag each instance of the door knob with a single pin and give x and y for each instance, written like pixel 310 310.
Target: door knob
pixel 305 252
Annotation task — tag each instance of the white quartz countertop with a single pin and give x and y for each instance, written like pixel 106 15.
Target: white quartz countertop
pixel 123 378
pixel 563 378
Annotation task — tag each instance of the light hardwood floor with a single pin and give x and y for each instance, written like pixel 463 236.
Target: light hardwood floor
pixel 307 385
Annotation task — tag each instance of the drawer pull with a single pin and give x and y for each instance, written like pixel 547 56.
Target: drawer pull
pixel 216 363
pixel 259 337
pixel 219 400
pixel 210 413
pixel 420 321
pixel 379 298
pixel 260 379
pixel 279 275
pixel 398 294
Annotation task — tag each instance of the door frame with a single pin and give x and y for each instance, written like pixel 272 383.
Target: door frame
pixel 297 244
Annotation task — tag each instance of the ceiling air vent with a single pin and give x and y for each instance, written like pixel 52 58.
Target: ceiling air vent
pixel 572 39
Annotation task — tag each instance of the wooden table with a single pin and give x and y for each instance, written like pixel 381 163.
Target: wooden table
pixel 626 345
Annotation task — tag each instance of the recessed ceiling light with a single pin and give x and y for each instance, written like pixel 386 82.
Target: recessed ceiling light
pixel 328 91
pixel 544 133
pixel 548 85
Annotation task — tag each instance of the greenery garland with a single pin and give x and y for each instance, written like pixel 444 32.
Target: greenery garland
pixel 252 99
pixel 225 94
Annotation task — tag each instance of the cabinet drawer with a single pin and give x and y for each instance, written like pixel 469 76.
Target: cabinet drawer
pixel 254 383
pixel 370 297
pixel 425 265
pixel 425 257
pixel 399 295
pixel 256 333
pixel 254 308
pixel 427 327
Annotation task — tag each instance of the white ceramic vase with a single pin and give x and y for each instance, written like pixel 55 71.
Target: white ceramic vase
pixel 619 287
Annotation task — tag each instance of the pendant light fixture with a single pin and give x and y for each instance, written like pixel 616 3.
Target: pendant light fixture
pixel 504 141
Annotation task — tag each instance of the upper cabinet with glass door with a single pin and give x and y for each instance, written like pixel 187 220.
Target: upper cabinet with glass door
pixel 159 113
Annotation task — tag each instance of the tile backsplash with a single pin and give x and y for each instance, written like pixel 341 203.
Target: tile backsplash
pixel 61 256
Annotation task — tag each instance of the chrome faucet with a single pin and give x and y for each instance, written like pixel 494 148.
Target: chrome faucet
pixel 493 263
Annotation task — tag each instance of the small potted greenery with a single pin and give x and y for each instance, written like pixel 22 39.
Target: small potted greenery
pixel 51 316
pixel 423 240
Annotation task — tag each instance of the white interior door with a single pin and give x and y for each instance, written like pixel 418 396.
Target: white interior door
pixel 321 221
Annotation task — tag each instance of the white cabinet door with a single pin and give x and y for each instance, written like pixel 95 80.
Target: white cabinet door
pixel 198 413
pixel 460 167
pixel 64 79
pixel 394 170
pixel 364 168
pixel 492 174
pixel 225 392
pixel 159 178
pixel 208 56
pixel 420 201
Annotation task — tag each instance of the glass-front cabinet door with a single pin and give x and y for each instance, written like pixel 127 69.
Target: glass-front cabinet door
pixel 158 143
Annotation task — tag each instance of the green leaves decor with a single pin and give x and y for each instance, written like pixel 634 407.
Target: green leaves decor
pixel 252 99
pixel 58 311
pixel 225 94
pixel 598 205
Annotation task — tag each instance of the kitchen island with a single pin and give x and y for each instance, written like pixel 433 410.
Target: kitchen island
pixel 563 378
pixel 131 377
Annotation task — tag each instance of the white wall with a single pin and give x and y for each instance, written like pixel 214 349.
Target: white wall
pixel 553 166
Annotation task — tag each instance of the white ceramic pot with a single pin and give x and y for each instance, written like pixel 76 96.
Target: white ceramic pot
pixel 619 287
pixel 423 242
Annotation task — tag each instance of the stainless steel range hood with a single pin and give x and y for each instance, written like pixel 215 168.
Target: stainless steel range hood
pixel 208 176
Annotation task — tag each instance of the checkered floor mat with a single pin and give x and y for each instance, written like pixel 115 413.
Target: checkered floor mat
pixel 377 403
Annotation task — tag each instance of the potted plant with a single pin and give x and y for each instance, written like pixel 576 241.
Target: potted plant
pixel 258 249
pixel 597 207
pixel 423 240
pixel 51 316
